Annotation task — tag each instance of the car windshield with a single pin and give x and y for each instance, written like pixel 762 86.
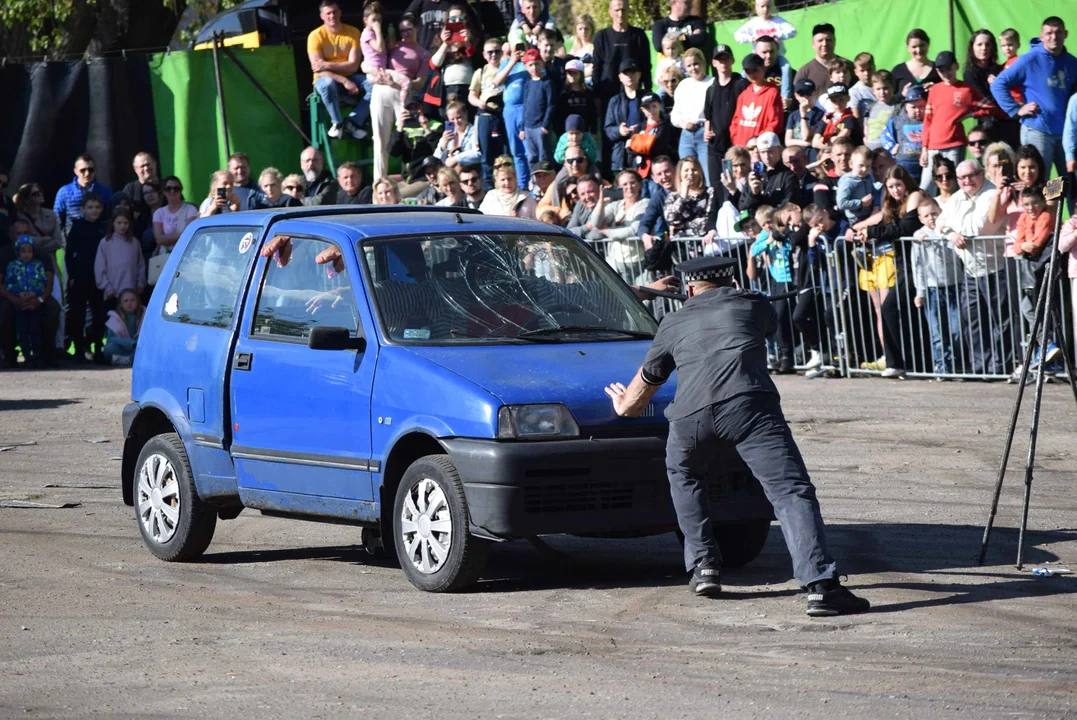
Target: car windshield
pixel 499 288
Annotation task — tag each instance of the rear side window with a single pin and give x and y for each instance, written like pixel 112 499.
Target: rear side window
pixel 205 289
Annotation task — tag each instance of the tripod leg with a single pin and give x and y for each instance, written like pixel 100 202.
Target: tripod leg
pixel 1067 352
pixel 1033 435
pixel 1013 421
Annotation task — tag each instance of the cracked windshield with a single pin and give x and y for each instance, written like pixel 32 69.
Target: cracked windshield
pixel 500 288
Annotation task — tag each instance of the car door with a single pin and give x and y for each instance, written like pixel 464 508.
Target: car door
pixel 301 416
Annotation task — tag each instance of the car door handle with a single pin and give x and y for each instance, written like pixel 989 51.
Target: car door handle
pixel 243 361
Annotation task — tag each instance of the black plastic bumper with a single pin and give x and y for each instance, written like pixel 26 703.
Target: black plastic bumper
pixel 130 410
pixel 596 486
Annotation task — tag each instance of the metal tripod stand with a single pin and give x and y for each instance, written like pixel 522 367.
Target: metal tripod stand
pixel 1047 313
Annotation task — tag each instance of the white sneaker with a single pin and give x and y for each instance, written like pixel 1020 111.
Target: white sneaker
pixel 336 131
pixel 893 373
pixel 814 360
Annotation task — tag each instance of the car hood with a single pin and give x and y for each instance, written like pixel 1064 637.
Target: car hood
pixel 574 374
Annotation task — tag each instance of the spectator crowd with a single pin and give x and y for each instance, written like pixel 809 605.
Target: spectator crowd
pixel 648 145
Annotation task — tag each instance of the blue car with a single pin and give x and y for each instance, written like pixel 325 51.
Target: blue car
pixel 433 376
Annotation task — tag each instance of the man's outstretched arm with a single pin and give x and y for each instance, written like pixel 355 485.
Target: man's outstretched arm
pixel 633 400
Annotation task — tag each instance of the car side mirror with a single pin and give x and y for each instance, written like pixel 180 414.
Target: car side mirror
pixel 334 338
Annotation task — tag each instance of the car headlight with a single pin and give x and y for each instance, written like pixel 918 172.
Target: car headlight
pixel 535 422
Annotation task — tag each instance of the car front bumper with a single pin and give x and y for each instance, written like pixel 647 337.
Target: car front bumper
pixel 593 486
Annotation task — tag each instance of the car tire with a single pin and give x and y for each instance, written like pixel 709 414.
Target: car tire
pixel 430 528
pixel 175 524
pixel 741 542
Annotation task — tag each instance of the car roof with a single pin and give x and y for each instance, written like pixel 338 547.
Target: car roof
pixel 367 221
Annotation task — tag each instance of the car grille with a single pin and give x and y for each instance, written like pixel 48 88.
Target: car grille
pixel 582 497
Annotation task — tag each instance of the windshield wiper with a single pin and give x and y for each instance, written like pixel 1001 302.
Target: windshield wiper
pixel 586 328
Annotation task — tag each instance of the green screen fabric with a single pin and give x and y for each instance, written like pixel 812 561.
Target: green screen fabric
pixel 880 26
pixel 189 133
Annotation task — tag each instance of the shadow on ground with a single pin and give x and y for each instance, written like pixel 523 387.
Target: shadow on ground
pixel 37 403
pixel 902 548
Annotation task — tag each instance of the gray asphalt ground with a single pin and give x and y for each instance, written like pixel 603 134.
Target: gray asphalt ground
pixel 291 619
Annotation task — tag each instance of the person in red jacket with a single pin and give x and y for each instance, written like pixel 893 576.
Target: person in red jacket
pixel 948 103
pixel 759 107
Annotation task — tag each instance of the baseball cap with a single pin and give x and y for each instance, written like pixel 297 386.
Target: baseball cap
pixel 431 161
pixel 837 89
pixel 804 87
pixel 945 59
pixel 574 65
pixel 720 50
pixel 914 92
pixel 768 140
pixel 628 64
pixel 532 55
pixel 574 122
pixel 822 28
pixel 648 99
pixel 541 166
pixel 752 62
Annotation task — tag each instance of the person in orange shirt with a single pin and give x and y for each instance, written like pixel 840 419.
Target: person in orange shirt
pixel 1034 229
pixel 759 107
pixel 333 50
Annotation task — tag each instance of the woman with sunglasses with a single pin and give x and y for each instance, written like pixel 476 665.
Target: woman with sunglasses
pixel 171 219
pixel 296 186
pixel 45 226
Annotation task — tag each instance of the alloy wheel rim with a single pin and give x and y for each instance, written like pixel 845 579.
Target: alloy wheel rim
pixel 426 526
pixel 158 498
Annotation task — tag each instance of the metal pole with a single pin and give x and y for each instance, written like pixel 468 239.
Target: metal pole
pixel 1041 301
pixel 220 94
pixel 953 34
pixel 243 68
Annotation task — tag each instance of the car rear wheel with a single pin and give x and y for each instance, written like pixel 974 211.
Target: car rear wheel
pixel 175 524
pixel 431 528
pixel 741 542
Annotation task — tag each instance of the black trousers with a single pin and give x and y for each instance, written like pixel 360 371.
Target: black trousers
pixel 83 294
pixel 50 323
pixel 813 317
pixel 754 424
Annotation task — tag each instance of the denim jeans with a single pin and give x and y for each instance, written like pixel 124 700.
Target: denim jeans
pixel 513 115
pixel 755 426
pixel 1050 146
pixel 536 145
pixel 330 91
pixel 985 308
pixel 491 145
pixel 944 323
pixel 692 144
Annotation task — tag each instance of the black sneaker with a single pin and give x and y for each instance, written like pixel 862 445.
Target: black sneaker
pixel 827 598
pixel 706 580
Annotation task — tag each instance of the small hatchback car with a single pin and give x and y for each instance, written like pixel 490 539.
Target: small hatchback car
pixel 433 376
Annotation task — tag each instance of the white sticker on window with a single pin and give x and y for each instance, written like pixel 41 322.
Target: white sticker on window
pixel 246 242
pixel 172 306
pixel 416 334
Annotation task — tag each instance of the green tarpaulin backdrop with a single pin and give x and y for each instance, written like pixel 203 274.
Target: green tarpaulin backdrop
pixel 189 134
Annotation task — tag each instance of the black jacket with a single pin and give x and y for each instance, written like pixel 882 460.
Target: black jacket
pixel 323 190
pixel 83 237
pixel 610 49
pixel 780 186
pixel 718 111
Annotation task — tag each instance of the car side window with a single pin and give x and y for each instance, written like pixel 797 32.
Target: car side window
pixel 205 287
pixel 299 294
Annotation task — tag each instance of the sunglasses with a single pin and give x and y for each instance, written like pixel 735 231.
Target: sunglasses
pixel 456 18
pixel 979 143
pixel 173 188
pixel 406 28
pixel 87 170
pixel 947 177
pixel 575 160
pixel 469 180
pixel 292 187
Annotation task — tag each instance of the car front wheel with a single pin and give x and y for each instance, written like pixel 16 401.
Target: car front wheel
pixel 433 544
pixel 175 524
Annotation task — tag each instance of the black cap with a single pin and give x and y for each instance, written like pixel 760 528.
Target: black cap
pixel 720 50
pixel 945 59
pixel 431 161
pixel 804 87
pixel 837 89
pixel 752 62
pixel 707 268
pixel 628 64
pixel 914 92
pixel 648 99
pixel 822 28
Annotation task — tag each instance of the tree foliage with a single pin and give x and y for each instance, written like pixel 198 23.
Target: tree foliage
pixel 643 13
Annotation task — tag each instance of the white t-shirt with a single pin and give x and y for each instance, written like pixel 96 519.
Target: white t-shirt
pixel 174 222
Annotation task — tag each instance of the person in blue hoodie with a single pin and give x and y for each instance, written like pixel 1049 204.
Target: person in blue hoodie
pixel 1046 76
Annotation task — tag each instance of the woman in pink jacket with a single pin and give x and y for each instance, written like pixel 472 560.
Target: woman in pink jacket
pixel 1067 243
pixel 119 264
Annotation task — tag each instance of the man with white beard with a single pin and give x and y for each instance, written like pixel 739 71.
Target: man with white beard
pixel 322 187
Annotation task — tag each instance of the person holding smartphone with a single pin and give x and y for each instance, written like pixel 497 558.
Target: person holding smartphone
pixel 222 197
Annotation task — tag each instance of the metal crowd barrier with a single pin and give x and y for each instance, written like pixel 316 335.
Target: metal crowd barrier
pixel 858 308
